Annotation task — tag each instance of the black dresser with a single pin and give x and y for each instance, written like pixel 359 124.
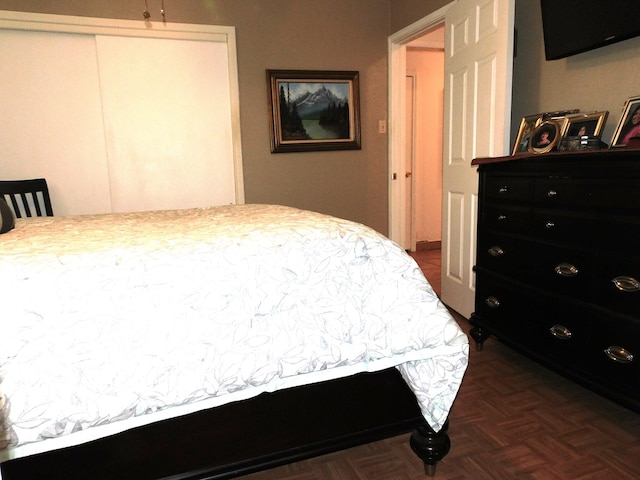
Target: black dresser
pixel 558 264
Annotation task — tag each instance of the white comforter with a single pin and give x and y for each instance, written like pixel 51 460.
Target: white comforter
pixel 112 321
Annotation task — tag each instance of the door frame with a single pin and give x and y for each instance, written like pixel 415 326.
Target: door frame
pixel 397 51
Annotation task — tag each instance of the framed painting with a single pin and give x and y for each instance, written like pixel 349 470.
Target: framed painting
pixel 314 110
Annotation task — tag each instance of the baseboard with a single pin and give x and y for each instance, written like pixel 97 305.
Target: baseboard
pixel 428 245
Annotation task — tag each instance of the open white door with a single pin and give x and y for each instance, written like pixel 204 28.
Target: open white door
pixel 477 113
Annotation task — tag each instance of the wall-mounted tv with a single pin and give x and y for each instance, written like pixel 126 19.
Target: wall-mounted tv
pixel 575 26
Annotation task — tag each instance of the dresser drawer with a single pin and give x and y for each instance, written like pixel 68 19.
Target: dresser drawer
pixel 620 233
pixel 510 256
pixel 563 333
pixel 598 193
pixel 617 284
pixel 566 227
pixel 506 218
pixel 511 189
pixel 546 326
pixel 563 270
pixel 504 310
pixel 569 336
pixel 614 355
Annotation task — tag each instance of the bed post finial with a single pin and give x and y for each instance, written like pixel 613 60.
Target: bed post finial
pixel 430 446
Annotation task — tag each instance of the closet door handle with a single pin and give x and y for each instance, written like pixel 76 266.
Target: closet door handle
pixel 626 284
pixel 561 332
pixel 496 251
pixel 566 270
pixel 618 354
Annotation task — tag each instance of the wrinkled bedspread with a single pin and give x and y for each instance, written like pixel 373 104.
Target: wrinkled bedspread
pixel 113 321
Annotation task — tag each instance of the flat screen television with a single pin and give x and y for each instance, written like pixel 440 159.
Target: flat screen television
pixel 575 26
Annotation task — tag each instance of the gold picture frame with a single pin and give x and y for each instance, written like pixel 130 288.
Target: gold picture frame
pixel 530 122
pixel 585 124
pixel 314 110
pixel 545 137
pixel 527 125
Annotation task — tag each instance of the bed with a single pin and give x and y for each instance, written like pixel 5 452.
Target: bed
pixel 176 337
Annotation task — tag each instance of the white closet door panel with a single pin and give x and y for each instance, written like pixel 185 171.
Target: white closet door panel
pixel 167 122
pixel 51 117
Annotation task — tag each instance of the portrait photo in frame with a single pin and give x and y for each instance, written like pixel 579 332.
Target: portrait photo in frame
pixel 629 124
pixel 586 124
pixel 527 126
pixel 545 137
pixel 314 110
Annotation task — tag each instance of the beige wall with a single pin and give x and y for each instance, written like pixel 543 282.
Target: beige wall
pixel 289 34
pixel 405 12
pixel 336 35
pixel 598 80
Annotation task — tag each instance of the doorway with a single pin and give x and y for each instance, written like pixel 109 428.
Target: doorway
pixel 425 97
pixel 425 34
pixel 479 39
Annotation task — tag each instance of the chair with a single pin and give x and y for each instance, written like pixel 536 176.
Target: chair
pixel 25 196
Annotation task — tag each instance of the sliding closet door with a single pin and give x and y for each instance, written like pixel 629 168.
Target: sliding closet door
pixel 166 113
pixel 51 117
pixel 119 116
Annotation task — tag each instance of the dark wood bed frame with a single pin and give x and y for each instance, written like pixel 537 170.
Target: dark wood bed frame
pixel 244 437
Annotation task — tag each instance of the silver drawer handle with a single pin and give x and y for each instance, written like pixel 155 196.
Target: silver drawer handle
pixel 552 193
pixel 503 189
pixel 496 251
pixel 502 218
pixel 626 284
pixel 566 270
pixel 619 354
pixel 549 225
pixel 493 302
pixel 561 332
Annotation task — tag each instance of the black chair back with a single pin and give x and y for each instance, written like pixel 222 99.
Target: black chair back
pixel 27 198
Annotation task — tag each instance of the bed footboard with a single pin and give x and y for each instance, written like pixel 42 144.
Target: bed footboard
pixel 244 437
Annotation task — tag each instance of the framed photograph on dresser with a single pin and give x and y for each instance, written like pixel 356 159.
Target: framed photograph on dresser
pixel 527 126
pixel 629 124
pixel 545 137
pixel 585 124
pixel 529 123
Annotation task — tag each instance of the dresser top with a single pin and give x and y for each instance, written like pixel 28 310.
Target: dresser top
pixel 609 153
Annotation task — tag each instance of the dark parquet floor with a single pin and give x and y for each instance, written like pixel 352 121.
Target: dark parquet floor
pixel 512 419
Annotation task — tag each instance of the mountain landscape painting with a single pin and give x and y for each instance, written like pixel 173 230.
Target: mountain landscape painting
pixel 316 112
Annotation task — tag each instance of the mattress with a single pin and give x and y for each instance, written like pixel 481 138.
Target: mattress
pixel 117 320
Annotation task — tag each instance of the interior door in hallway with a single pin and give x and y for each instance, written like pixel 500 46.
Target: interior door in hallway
pixel 478 70
pixel 410 152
